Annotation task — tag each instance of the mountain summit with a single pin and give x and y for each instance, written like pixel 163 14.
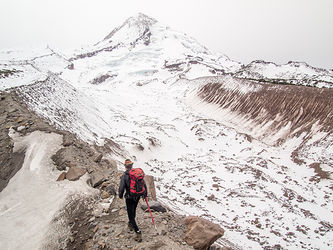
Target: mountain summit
pixel 144 36
pixel 135 26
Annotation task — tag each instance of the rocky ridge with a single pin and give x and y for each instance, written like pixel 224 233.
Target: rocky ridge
pixel 291 73
pixel 291 108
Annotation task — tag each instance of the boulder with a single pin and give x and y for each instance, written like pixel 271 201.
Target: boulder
pixel 74 173
pixel 111 190
pixel 149 179
pixel 61 159
pixel 97 178
pixel 62 176
pixel 105 195
pixel 211 197
pixel 155 206
pixel 201 233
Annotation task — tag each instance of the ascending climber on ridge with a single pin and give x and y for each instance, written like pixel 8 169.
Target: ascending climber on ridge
pixel 133 183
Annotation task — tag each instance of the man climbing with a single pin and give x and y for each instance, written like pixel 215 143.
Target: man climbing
pixel 132 182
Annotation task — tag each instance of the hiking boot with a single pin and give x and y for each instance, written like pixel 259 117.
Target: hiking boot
pixel 130 227
pixel 138 236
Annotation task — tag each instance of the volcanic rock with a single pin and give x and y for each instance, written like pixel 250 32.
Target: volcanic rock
pixel 97 178
pixel 201 233
pixel 154 206
pixel 105 195
pixel 62 176
pixel 74 173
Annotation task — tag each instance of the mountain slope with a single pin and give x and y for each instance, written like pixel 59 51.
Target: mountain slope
pixel 290 111
pixel 222 140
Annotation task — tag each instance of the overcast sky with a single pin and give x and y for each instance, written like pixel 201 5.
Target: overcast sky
pixel 245 30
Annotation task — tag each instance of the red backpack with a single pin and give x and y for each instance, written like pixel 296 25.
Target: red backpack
pixel 137 188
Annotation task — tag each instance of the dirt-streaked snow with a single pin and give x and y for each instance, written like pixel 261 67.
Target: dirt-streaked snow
pixel 33 197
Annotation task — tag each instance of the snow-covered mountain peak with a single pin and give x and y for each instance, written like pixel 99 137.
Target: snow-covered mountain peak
pixel 142 29
pixel 133 28
pixel 145 48
pixel 146 45
pixel 141 19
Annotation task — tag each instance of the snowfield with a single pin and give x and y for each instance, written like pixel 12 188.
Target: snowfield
pixel 138 87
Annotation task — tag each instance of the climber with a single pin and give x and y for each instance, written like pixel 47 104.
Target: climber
pixel 133 183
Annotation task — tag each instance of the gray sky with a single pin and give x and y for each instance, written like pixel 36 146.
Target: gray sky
pixel 245 30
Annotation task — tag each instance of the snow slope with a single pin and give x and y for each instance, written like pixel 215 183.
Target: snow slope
pixel 33 197
pixel 138 87
pixel 298 73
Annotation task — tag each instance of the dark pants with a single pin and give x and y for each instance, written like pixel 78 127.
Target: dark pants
pixel 131 205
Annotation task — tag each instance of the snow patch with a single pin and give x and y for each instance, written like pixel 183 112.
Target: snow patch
pixel 32 197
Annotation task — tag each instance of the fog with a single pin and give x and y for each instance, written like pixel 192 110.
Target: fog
pixel 245 30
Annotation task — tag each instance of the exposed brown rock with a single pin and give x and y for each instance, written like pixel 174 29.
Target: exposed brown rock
pixel 61 159
pixel 97 178
pixel 102 78
pixel 62 176
pixel 249 138
pixel 201 233
pixel 105 195
pixel 320 173
pixel 74 173
pixel 294 108
pixel 211 197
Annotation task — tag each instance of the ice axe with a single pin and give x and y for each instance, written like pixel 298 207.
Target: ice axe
pixel 150 213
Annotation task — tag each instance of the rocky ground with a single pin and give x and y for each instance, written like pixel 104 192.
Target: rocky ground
pixel 110 231
pixel 97 222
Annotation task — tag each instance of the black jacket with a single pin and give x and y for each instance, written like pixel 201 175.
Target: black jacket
pixel 124 186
